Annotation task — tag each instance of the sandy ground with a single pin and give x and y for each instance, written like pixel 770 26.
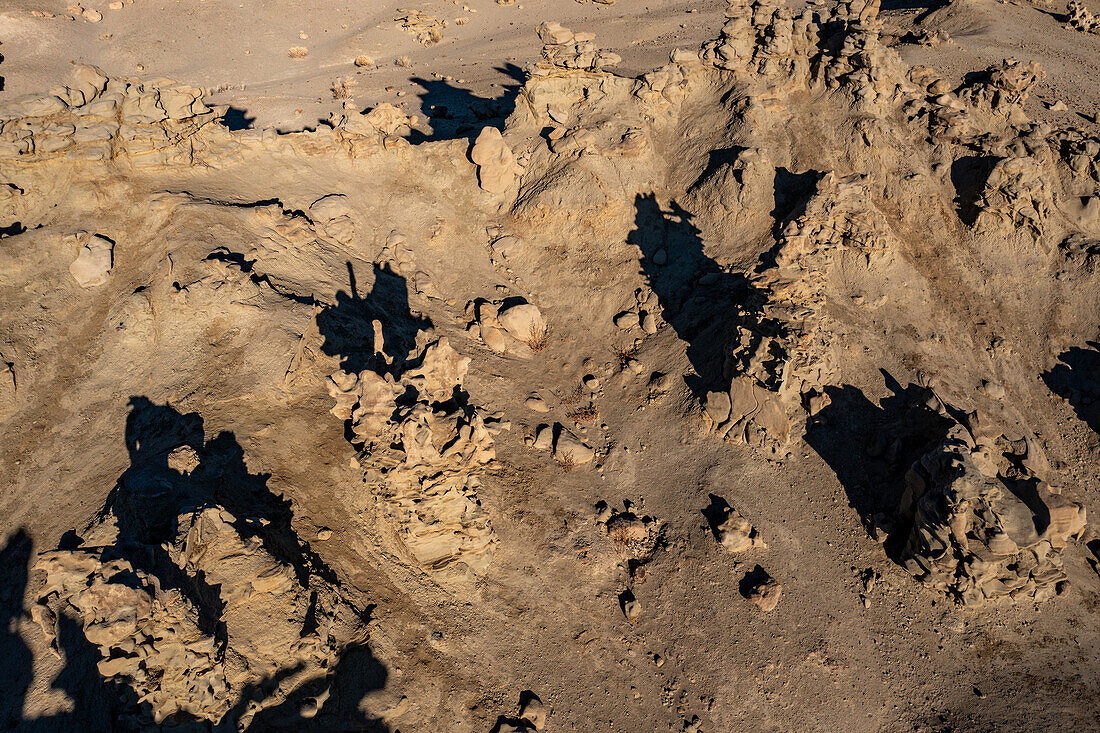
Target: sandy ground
pixel 241 51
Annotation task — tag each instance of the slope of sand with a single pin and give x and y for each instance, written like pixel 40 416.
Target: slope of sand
pixel 751 388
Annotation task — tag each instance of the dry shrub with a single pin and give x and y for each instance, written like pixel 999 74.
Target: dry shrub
pixel 538 338
pixel 298 52
pixel 573 397
pixel 623 354
pixel 342 87
pixel 584 414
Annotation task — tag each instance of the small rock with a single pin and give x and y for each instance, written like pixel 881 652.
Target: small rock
pixel 660 257
pixel 765 594
pixel 508 246
pixel 494 339
pixel 649 323
pixel 324 534
pixel 569 448
pixel 92 16
pixel 183 459
pixel 994 390
pixel 736 534
pixel 94 262
pixel 544 438
pixel 626 320
pixel 591 383
pixel 718 406
pixel 496 165
pixel 534 712
pixel 521 321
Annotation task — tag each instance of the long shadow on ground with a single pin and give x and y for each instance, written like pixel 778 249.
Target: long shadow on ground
pixel 454 112
pixel 696 296
pixel 1077 379
pixel 347 326
pixel 870 447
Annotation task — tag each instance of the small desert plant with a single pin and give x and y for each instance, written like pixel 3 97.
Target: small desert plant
pixel 364 62
pixel 341 88
pixel 403 62
pixel 538 338
pixel 298 52
pixel 584 414
pixel 565 460
pixel 624 354
pixel 573 397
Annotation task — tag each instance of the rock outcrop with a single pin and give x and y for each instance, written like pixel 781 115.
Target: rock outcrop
pixel 424 447
pixel 160 636
pixel 984 526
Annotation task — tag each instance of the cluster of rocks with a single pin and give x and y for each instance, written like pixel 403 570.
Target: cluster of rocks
pixel 641 315
pixel 1016 197
pixel 568 450
pixel 384 126
pixel 428 29
pixel 766 43
pixel 764 37
pixel 97 119
pixel 780 360
pixel 564 50
pixel 766 46
pixel 157 636
pixel 987 103
pixel 509 326
pixel 1079 18
pixel 1002 90
pixel 667 86
pixel 983 524
pixel 637 536
pixel 424 447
